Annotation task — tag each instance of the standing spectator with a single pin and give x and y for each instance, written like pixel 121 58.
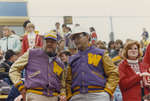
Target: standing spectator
pixel 93 36
pixel 58 31
pixel 145 33
pixel 91 74
pixel 144 42
pixel 67 36
pixel 64 26
pixel 44 79
pixel 31 39
pixel 132 73
pixel 9 41
pixel 14 34
pixel 25 24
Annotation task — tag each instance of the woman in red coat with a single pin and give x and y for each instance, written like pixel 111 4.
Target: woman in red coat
pixel 133 73
pixel 31 39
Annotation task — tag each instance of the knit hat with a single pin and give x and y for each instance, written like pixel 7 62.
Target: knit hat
pixel 52 35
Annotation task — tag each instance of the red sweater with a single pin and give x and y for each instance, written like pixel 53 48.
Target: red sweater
pixel 130 82
pixel 25 44
pixel 147 55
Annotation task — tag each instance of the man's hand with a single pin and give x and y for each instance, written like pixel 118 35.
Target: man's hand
pixel 63 98
pixel 23 93
pixel 144 74
pixel 18 98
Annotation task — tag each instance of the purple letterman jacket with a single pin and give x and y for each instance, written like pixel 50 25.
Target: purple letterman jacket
pixel 89 72
pixel 42 76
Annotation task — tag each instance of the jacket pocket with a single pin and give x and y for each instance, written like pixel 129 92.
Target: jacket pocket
pixel 98 74
pixel 34 74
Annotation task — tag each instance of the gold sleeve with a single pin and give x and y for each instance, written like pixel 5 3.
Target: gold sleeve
pixel 63 83
pixel 68 82
pixel 112 74
pixel 17 67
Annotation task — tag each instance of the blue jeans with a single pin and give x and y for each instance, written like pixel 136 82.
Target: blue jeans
pixel 117 95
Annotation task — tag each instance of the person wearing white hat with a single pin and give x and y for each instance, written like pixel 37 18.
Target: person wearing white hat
pixel 91 74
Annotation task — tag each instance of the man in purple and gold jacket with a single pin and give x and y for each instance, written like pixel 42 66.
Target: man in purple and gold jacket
pixel 91 75
pixel 44 79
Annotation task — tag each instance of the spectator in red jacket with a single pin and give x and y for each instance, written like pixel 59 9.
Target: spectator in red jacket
pixel 132 73
pixel 93 36
pixel 147 55
pixel 31 38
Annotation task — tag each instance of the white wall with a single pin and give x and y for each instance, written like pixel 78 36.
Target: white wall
pixel 129 16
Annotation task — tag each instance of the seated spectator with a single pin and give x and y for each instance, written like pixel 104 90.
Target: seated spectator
pixel 10 58
pixel 13 94
pixel 4 88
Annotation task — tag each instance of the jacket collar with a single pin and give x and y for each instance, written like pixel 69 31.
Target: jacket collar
pixel 87 50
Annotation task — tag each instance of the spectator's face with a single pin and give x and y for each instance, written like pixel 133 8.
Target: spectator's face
pixel 112 46
pixel 14 58
pixel 57 25
pixel 64 29
pixel 62 45
pixel 133 52
pixel 100 45
pixel 6 32
pixel 117 46
pixel 30 29
pixel 50 46
pixel 81 40
pixel 64 58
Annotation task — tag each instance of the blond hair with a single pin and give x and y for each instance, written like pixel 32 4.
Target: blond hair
pixel 128 45
pixel 30 25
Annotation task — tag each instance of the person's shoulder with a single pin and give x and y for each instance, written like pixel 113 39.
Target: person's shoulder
pixel 73 58
pixel 123 64
pixel 97 50
pixel 3 38
pixel 3 65
pixel 38 51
